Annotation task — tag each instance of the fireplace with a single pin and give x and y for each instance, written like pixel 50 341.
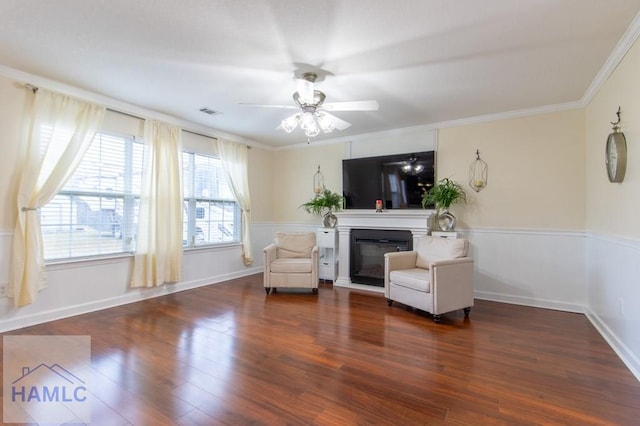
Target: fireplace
pixel 368 247
pixel 414 221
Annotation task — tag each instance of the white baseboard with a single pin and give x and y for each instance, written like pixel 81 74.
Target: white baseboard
pixel 529 301
pixel 624 353
pixel 131 297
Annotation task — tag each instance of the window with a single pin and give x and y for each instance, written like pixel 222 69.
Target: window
pixel 211 214
pixel 96 212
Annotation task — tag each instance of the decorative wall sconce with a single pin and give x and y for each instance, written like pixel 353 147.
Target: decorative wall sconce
pixel 478 173
pixel 318 182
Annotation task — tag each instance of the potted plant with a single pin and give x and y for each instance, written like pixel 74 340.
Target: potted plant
pixel 443 195
pixel 324 204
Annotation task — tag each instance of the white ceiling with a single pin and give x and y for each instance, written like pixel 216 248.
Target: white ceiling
pixel 424 61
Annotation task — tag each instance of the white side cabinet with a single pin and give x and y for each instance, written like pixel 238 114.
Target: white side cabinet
pixel 327 253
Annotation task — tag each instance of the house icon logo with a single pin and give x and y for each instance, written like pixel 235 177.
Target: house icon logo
pixel 48 383
pixel 46 379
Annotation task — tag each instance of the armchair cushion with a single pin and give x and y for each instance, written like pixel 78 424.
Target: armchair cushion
pixel 416 278
pixel 292 265
pixel 297 245
pixel 434 249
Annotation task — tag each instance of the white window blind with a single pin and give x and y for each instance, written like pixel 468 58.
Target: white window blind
pixel 96 212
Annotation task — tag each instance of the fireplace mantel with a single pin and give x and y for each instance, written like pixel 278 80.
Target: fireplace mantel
pixel 417 221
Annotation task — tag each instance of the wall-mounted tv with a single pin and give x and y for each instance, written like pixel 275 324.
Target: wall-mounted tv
pixel 398 180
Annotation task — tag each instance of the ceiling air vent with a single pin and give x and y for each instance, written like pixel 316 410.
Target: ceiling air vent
pixel 209 111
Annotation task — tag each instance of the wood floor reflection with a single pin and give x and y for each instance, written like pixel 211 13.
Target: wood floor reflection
pixel 229 354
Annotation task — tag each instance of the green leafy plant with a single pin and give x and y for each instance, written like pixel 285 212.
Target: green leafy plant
pixel 443 194
pixel 327 199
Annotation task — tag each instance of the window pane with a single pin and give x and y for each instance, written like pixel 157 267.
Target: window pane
pixel 96 212
pixel 76 226
pixel 210 210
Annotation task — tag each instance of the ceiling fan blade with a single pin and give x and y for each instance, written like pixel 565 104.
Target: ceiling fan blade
pixel 270 106
pixel 351 106
pixel 338 122
pixel 305 90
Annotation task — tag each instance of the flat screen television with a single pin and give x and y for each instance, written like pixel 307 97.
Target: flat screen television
pixel 398 180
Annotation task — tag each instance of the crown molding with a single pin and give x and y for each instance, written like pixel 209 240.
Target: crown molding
pixel 121 106
pixel 624 44
pixel 546 109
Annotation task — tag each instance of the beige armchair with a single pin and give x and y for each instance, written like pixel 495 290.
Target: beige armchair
pixel 436 277
pixel 291 262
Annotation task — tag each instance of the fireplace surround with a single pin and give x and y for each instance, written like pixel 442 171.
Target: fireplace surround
pixel 417 222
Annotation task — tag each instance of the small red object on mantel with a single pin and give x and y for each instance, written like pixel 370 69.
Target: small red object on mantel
pixel 378 205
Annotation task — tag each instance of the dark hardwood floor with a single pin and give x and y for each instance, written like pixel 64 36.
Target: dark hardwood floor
pixel 229 354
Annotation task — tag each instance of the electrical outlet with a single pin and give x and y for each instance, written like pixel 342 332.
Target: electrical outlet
pixel 3 289
pixel 621 305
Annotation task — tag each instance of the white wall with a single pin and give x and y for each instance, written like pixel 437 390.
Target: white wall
pixel 613 248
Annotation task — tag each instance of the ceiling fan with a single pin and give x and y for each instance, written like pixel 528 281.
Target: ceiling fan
pixel 313 116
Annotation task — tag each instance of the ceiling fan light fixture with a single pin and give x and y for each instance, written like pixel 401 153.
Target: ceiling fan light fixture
pixel 312 129
pixel 307 120
pixel 290 123
pixel 325 123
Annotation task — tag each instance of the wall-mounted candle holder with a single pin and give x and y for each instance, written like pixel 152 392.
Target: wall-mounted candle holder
pixel 318 182
pixel 478 173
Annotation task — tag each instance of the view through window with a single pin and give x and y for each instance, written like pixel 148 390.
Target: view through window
pixel 96 212
pixel 210 212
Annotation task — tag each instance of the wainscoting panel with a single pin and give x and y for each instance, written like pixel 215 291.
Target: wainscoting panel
pixel 85 286
pixel 530 267
pixel 613 293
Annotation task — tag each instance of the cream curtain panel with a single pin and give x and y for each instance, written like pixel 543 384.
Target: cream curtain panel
pixel 158 257
pixel 59 130
pixel 235 163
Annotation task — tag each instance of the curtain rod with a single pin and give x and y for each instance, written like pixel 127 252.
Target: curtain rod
pixel 125 113
pixel 200 134
pixel 34 89
pixel 183 129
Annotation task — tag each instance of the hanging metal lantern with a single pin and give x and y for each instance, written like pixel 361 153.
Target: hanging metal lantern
pixel 478 173
pixel 318 182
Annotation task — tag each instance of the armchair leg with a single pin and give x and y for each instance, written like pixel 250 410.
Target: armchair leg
pixel 389 302
pixel 437 319
pixel 314 290
pixel 466 312
pixel 267 289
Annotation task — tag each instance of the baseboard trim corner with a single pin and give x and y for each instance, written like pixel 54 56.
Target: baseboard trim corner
pixel 624 353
